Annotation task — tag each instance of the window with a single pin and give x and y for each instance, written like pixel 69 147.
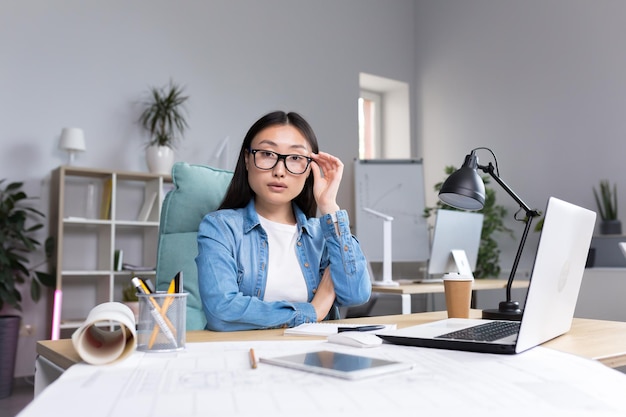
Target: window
pixel 384 123
pixel 370 123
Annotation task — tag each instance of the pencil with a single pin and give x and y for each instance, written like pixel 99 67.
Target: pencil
pixel 252 359
pixel 166 305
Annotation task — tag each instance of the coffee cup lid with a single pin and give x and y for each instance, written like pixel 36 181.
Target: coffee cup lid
pixel 454 276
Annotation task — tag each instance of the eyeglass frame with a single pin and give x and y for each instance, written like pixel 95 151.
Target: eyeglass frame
pixel 279 157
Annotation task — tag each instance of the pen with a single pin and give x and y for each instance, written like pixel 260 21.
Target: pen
pixel 148 285
pixel 361 328
pixel 155 311
pixel 252 359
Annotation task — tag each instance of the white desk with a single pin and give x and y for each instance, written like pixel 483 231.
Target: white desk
pixel 600 340
pixel 216 378
pixel 406 290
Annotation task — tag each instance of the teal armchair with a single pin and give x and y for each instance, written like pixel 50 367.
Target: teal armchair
pixel 198 190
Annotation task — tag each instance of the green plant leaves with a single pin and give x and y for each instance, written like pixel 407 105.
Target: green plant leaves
pixel 16 243
pixel 606 200
pixel 164 114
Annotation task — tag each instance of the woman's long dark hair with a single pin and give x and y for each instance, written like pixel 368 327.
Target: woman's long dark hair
pixel 239 192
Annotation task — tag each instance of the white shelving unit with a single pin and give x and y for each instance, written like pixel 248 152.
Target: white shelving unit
pixel 95 213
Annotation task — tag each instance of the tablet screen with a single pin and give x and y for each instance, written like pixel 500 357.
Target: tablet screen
pixel 342 365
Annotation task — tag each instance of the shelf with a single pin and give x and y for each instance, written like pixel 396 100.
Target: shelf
pixel 76 273
pixel 85 221
pixel 72 324
pixel 135 223
pixel 93 214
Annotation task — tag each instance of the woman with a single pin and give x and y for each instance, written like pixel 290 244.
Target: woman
pixel 264 259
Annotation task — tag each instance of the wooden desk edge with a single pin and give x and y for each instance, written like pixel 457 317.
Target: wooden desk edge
pixel 60 352
pixel 605 334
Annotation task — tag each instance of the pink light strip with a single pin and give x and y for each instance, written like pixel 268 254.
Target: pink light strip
pixel 56 315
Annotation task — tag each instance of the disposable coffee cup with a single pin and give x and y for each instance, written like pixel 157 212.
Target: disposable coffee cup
pixel 458 290
pixel 162 322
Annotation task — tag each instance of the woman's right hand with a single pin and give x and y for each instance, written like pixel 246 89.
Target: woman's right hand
pixel 327 179
pixel 324 296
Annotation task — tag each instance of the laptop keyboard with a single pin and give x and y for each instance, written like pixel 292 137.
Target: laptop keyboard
pixel 487 332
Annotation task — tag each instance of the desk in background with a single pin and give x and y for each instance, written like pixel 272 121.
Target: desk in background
pixel 406 290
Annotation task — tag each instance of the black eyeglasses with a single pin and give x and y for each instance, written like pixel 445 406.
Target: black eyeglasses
pixel 296 164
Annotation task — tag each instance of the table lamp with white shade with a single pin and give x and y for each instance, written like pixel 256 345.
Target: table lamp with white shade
pixel 72 141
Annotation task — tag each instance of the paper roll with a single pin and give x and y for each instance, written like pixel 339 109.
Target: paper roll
pixel 107 335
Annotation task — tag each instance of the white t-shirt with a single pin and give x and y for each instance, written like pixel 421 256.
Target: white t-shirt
pixel 285 281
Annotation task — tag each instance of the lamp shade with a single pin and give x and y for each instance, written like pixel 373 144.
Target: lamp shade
pixel 464 189
pixel 72 139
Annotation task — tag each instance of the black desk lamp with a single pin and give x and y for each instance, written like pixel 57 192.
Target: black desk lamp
pixel 465 190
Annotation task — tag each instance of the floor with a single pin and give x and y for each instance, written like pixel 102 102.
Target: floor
pixel 22 395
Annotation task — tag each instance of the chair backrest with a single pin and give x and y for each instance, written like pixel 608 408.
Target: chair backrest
pixel 198 190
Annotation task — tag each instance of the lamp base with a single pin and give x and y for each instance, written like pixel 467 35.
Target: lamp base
pixel 507 310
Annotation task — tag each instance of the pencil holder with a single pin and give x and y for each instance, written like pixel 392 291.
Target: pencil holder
pixel 162 322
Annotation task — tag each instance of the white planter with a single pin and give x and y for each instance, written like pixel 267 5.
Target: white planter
pixel 160 159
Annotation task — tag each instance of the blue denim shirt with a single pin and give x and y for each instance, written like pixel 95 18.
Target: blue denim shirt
pixel 232 259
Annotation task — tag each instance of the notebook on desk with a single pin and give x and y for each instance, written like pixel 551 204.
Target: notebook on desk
pixel 550 301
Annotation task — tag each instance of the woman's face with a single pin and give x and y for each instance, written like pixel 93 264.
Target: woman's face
pixel 277 186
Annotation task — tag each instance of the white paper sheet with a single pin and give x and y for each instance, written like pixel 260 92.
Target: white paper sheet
pixel 216 379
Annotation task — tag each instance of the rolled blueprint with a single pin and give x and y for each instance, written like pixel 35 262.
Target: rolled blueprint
pixel 107 335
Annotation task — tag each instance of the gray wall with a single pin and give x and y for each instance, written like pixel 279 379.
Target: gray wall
pixel 542 83
pixel 86 64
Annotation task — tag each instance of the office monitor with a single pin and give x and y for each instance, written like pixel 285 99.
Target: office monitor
pixel 456 233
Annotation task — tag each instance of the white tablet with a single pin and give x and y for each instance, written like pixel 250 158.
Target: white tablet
pixel 341 365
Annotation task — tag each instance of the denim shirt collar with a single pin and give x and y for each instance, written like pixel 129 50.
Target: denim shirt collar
pixel 251 218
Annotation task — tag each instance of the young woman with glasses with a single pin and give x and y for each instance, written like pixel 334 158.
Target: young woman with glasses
pixel 265 259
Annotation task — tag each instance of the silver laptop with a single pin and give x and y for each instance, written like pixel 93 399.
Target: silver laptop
pixel 550 301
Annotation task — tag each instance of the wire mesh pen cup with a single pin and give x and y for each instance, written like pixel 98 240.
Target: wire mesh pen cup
pixel 162 322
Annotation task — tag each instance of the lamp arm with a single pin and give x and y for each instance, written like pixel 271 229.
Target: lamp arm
pixel 489 169
pixel 518 255
pixel 530 213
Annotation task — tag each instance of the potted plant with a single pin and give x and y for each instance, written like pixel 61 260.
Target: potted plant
pixel 164 119
pixel 18 223
pixel 488 259
pixel 606 199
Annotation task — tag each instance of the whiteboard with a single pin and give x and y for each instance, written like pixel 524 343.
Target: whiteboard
pixel 394 188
